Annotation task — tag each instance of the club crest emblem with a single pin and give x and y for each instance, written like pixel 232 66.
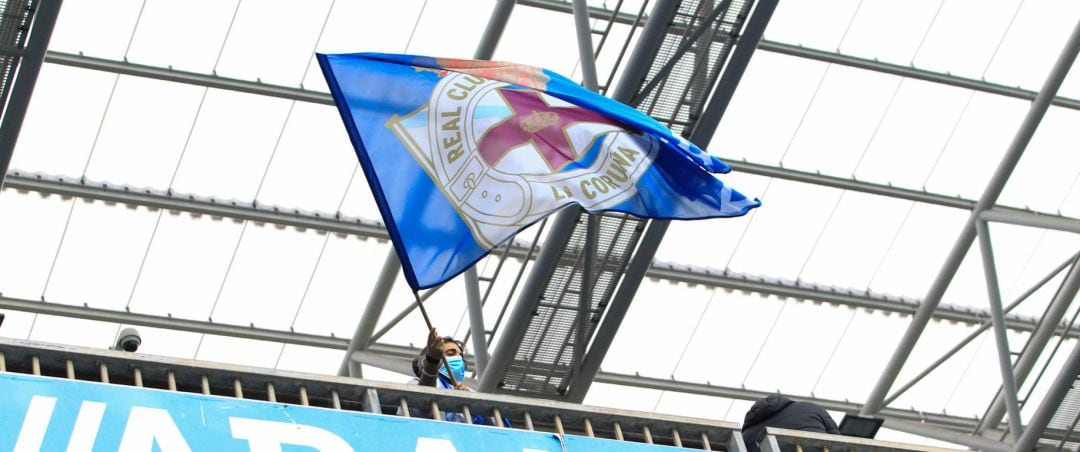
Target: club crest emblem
pixel 505 156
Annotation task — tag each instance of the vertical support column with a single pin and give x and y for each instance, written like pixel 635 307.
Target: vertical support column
pixel 563 223
pixel 585 296
pixel 392 266
pixel 592 225
pixel 997 317
pixel 476 319
pixel 1061 386
pixel 23 87
pixel 967 235
pixel 585 45
pixel 1048 324
pixel 376 302
pixel 500 15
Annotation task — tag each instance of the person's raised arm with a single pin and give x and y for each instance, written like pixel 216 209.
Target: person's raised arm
pixel 429 368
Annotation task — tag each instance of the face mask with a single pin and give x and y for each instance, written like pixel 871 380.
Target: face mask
pixel 457 365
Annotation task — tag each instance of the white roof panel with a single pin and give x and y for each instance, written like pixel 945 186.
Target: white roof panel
pixel 95 29
pixel 146 126
pixel 185 265
pixel 29 235
pixel 231 145
pixel 313 162
pixel 156 41
pixel 272 41
pixel 99 258
pixel 68 99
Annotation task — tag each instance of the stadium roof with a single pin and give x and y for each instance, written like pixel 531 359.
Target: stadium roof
pixel 181 168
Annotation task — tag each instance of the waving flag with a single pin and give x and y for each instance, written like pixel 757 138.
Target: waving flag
pixel 463 154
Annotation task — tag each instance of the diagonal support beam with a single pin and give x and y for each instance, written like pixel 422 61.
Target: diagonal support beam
pixel 496 24
pixel 702 133
pixel 1036 343
pixel 32 56
pixel 562 226
pixel 967 235
pixel 372 311
pixel 1061 386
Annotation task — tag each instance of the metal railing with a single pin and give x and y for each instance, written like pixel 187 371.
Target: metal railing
pixel 779 439
pixel 344 393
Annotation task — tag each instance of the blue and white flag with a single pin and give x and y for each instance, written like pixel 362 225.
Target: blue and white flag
pixel 463 154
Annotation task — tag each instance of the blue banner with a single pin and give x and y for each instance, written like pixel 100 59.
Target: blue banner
pixel 48 414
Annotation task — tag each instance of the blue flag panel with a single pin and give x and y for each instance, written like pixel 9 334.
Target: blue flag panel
pixel 462 154
pixel 52 414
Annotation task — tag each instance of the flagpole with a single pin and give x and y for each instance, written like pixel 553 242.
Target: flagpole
pixel 431 328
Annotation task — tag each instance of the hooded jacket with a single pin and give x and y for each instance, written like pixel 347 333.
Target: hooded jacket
pixel 779 411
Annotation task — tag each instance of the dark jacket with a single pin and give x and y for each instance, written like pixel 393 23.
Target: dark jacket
pixel 779 411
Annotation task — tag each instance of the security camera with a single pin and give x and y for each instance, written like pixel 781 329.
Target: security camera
pixel 128 340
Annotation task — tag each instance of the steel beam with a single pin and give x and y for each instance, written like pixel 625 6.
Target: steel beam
pixel 372 311
pixel 300 94
pixel 1030 219
pixel 616 311
pixel 592 227
pixel 500 15
pixel 1008 381
pixel 913 73
pixel 401 315
pixel 745 47
pixel 967 235
pixel 190 78
pixel 516 324
pixel 825 56
pixel 212 207
pixel 817 178
pixel 585 45
pixel 14 111
pixel 650 242
pixel 562 226
pixel 568 7
pixel 172 323
pixel 1051 401
pixel 374 230
pixel 927 430
pixel 476 319
pixel 981 329
pixel 1036 344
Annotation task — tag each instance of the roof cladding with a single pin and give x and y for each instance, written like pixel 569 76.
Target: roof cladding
pixel 867 134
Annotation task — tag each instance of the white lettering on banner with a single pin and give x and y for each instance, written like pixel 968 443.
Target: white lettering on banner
pixel 268 436
pixel 147 425
pixel 86 427
pixel 35 423
pixel 434 445
pixel 147 429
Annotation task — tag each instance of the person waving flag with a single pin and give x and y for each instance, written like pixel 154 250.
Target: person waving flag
pixel 463 154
